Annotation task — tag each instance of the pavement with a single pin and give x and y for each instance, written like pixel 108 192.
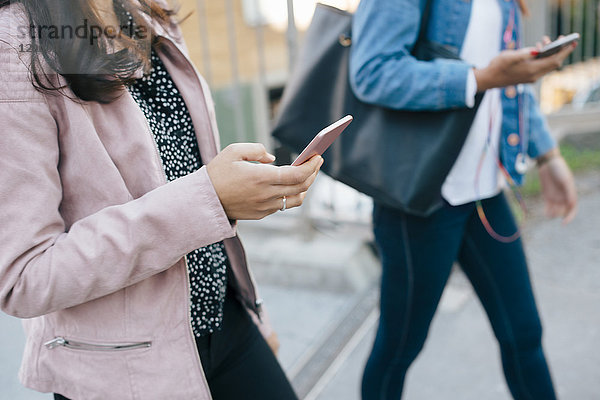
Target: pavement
pixel 326 328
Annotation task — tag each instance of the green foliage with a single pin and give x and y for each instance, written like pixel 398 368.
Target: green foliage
pixel 581 159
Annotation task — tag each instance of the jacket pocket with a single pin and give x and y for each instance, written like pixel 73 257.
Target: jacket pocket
pixel 60 341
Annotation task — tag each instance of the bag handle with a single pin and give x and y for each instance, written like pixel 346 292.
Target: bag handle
pixel 426 50
pixel 345 39
pixel 424 23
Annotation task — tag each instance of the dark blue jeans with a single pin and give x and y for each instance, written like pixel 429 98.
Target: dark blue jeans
pixel 417 256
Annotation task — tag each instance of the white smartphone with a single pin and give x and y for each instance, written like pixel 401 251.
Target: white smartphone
pixel 557 45
pixel 323 140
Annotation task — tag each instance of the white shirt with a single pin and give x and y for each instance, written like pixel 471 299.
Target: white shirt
pixel 482 43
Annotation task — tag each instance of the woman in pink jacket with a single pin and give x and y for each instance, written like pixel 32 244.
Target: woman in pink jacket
pixel 118 245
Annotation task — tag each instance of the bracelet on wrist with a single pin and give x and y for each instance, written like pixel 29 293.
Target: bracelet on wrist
pixel 544 158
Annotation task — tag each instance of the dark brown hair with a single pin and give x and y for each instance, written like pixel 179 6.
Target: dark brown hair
pixel 94 68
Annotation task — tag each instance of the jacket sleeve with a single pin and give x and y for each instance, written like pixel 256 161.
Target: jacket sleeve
pixel 541 140
pixel 45 266
pixel 382 69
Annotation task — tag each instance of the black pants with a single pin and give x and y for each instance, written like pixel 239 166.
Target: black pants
pixel 237 362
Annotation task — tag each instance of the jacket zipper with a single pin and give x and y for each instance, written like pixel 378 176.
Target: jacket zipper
pixel 76 345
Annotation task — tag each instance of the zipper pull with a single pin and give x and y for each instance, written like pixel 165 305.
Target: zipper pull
pixel 59 341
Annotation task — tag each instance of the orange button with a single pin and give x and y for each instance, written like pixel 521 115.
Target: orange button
pixel 513 139
pixel 510 92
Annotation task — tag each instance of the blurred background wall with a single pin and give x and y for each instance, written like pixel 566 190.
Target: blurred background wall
pixel 245 49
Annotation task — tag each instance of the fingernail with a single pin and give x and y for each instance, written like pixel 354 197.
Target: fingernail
pixel 534 52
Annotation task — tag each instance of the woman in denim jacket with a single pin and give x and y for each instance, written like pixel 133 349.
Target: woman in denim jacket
pixel 475 226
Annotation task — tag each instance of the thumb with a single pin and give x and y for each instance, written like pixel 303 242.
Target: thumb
pixel 251 152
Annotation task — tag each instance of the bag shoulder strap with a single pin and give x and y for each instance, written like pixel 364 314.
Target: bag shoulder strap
pixel 426 50
pixel 424 22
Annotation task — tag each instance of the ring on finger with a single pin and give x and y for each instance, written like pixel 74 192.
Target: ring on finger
pixel 284 206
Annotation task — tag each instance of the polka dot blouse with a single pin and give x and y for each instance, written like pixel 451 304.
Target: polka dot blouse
pixel 173 131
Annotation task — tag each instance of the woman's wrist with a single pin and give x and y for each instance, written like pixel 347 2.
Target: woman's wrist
pixel 546 157
pixel 481 77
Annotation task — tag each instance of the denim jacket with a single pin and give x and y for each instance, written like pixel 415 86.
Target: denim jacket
pixel 383 71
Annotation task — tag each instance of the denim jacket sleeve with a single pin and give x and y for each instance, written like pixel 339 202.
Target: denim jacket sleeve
pixel 540 139
pixel 382 69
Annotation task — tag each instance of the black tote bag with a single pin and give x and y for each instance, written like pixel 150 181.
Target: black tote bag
pixel 400 158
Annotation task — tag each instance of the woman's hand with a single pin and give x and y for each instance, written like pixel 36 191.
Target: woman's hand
pixel 558 189
pixel 512 67
pixel 254 190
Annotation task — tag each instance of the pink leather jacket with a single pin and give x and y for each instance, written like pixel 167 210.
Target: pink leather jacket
pixel 92 237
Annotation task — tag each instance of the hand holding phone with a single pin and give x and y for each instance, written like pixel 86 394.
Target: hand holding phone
pixel 323 140
pixel 557 45
pixel 526 65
